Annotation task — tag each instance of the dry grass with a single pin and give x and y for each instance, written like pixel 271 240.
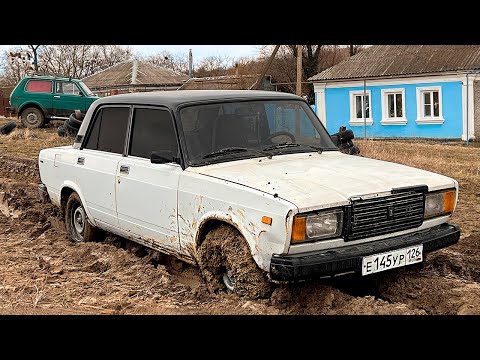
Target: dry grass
pixel 451 159
pixel 27 143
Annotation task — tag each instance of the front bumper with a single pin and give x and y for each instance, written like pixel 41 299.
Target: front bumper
pixel 349 258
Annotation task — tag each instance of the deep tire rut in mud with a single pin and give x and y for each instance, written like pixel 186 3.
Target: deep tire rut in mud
pixel 42 272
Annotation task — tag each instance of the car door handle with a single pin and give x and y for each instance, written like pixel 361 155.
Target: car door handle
pixel 124 169
pixel 56 96
pixel 81 161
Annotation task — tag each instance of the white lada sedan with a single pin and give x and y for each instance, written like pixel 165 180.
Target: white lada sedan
pixel 246 184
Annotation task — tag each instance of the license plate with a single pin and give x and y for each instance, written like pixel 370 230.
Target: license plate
pixel 392 259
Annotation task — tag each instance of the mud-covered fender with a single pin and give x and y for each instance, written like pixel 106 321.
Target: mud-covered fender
pixel 31 103
pixel 234 220
pixel 70 184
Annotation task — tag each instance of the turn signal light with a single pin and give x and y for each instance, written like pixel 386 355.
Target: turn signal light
pixel 298 228
pixel 449 201
pixel 267 220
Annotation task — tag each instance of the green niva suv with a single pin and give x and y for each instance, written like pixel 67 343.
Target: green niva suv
pixel 38 99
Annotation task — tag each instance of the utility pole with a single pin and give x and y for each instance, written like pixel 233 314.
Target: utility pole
pixel 299 88
pixel 299 69
pixel 256 85
pixel 190 64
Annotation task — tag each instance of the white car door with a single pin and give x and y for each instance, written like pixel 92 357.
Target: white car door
pixel 146 192
pixel 97 162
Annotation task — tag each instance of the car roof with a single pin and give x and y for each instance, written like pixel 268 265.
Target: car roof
pixel 173 99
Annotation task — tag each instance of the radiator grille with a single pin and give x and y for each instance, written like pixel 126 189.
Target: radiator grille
pixel 377 216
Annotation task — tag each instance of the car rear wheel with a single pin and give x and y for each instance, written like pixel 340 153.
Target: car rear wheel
pixel 32 118
pixel 226 263
pixel 78 227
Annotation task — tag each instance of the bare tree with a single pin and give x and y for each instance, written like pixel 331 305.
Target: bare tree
pixel 315 58
pixel 329 56
pixel 109 55
pixel 14 64
pixel 245 66
pixel 355 49
pixel 81 60
pixel 34 49
pixel 76 61
pixel 177 62
pixel 213 66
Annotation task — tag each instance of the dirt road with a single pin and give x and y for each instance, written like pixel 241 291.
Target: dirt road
pixel 41 272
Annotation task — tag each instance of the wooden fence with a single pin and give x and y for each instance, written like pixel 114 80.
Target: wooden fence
pixel 3 104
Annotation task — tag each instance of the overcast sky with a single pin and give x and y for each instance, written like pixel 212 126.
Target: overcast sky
pixel 199 51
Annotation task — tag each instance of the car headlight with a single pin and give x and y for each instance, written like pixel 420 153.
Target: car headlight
pixel 317 226
pixel 439 203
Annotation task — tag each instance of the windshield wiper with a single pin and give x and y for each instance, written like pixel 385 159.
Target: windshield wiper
pixel 233 150
pixel 288 144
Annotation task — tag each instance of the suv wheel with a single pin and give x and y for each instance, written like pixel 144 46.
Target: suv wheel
pixel 226 263
pixel 32 118
pixel 78 227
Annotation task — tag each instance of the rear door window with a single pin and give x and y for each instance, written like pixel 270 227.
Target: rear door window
pixel 39 86
pixel 109 130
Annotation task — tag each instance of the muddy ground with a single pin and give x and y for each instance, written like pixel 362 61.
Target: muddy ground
pixel 42 272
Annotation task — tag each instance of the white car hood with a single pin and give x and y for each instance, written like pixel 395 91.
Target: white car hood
pixel 313 181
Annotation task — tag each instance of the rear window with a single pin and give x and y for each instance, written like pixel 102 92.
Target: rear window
pixel 39 86
pixel 109 130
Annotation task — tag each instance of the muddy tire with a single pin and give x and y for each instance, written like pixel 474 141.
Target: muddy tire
pixel 62 131
pixel 78 227
pixel 70 130
pixel 74 122
pixel 226 263
pixel 32 118
pixel 8 127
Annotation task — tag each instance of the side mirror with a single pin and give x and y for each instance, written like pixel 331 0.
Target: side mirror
pixel 163 157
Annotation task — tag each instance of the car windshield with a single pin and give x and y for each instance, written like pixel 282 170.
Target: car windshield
pixel 85 88
pixel 236 130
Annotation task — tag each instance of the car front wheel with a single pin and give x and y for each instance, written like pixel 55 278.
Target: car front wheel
pixel 78 227
pixel 226 263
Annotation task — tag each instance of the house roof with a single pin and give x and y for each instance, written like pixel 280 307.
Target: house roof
pixel 227 82
pixel 397 60
pixel 133 73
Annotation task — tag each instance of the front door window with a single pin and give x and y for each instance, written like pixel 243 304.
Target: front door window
pixel 69 88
